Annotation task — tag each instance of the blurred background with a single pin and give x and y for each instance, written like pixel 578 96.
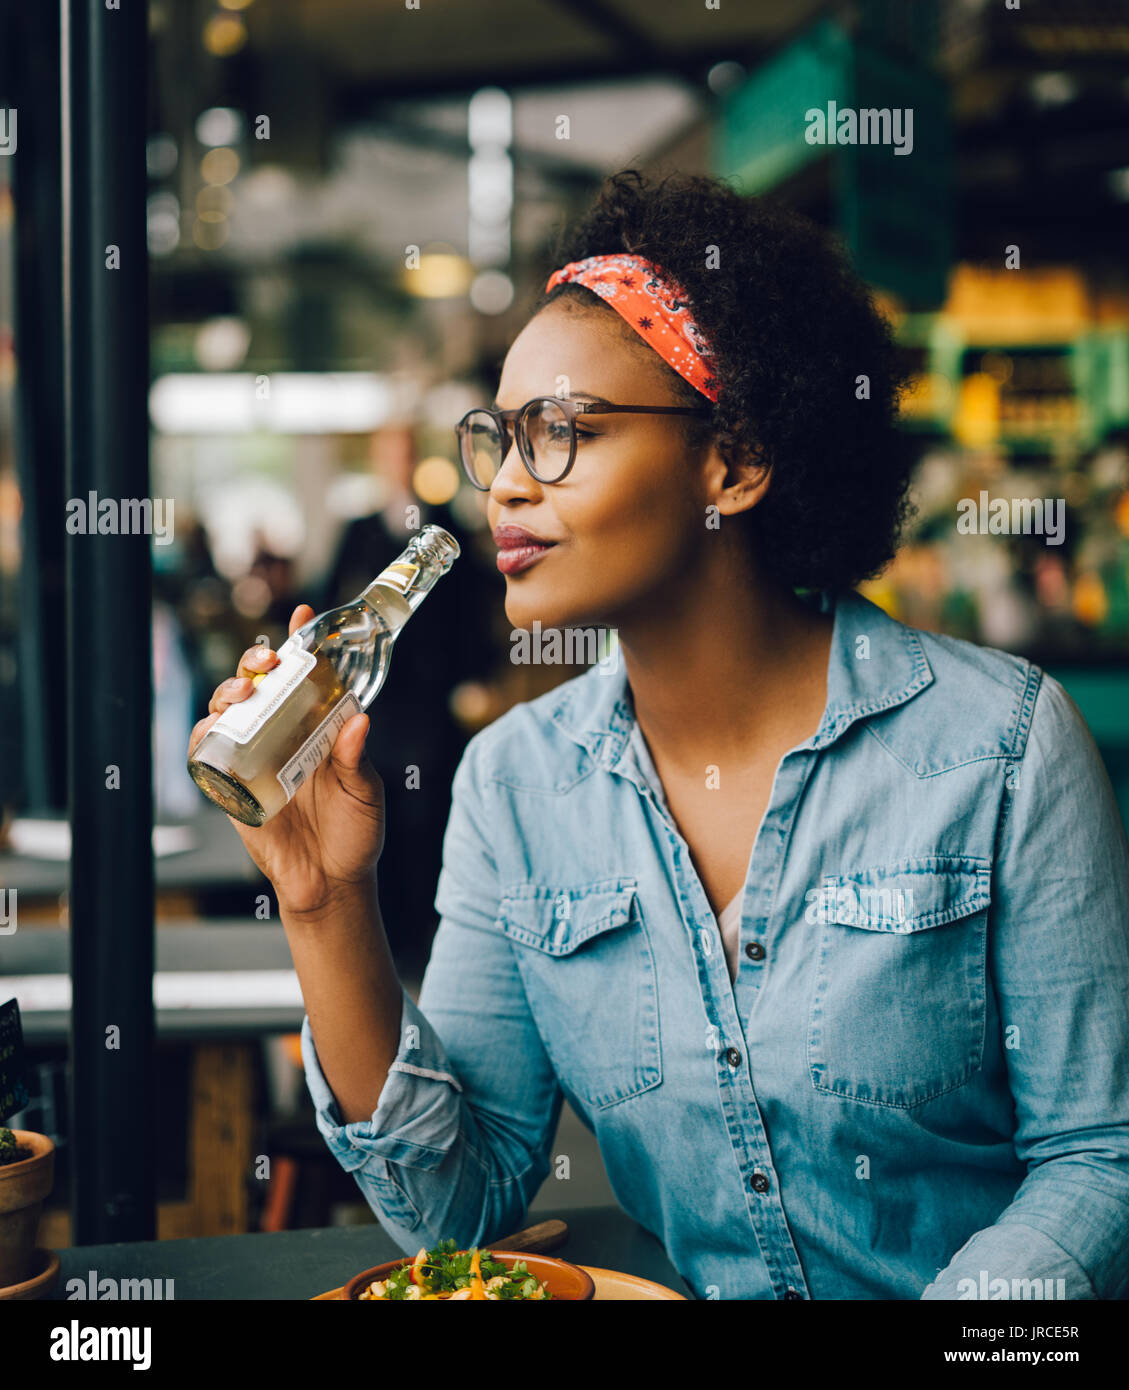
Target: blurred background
pixel 352 200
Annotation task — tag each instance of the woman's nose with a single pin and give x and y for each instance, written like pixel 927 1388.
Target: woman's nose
pixel 513 479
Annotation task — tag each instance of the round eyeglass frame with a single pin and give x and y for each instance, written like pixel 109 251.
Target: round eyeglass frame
pixel 505 419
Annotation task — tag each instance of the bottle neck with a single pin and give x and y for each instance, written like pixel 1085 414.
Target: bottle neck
pixel 413 573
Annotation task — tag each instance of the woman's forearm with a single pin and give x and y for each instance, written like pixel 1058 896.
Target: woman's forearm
pixel 352 994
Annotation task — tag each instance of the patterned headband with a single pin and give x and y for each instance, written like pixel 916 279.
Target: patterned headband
pixel 656 307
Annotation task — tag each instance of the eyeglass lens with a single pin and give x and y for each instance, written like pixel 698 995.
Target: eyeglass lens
pixel 544 439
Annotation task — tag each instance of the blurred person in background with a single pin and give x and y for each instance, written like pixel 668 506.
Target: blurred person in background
pixel 275 574
pixel 201 599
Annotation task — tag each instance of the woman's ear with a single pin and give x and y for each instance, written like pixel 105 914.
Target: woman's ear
pixel 742 474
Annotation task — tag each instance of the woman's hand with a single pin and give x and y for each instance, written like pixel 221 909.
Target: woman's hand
pixel 330 834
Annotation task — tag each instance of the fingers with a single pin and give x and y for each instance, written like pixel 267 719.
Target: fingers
pixel 358 778
pixel 350 745
pixel 199 729
pixel 256 661
pixel 302 614
pixel 228 692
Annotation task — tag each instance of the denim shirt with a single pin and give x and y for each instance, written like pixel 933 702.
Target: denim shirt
pixel 917 1085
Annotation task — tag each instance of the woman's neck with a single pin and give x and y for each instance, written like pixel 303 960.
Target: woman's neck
pixel 727 673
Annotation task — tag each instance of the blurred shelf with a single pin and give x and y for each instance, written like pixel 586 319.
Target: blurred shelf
pixel 217 860
pixel 246 967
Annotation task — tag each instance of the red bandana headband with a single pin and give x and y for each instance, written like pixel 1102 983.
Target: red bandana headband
pixel 656 307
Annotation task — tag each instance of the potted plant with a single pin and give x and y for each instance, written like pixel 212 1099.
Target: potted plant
pixel 27 1169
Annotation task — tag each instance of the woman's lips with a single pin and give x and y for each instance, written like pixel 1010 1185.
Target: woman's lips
pixel 515 558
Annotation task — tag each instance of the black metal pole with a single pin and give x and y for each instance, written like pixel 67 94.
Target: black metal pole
pixel 105 315
pixel 30 57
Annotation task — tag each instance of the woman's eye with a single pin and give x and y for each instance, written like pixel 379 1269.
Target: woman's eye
pixel 559 434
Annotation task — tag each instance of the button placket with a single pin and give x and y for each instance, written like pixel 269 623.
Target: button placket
pixel 765 870
pixel 720 997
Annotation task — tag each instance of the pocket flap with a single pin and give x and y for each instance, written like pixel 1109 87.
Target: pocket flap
pixel 558 920
pixel 909 895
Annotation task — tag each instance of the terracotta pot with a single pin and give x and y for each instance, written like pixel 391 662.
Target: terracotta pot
pixel 23 1187
pixel 40 1282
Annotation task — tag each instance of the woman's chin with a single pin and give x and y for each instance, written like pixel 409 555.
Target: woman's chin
pixel 522 611
pixel 522 616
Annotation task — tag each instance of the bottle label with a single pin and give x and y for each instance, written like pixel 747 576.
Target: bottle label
pixel 400 575
pixel 243 720
pixel 317 747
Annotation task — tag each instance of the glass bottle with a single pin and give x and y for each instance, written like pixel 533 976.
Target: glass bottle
pixel 260 751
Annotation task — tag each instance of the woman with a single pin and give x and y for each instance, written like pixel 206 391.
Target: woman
pixel 817 921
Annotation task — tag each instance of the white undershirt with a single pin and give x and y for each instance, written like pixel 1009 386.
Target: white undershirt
pixel 730 924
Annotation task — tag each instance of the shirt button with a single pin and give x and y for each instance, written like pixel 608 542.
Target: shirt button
pixel 792 1293
pixel 754 950
pixel 759 1182
pixel 733 1057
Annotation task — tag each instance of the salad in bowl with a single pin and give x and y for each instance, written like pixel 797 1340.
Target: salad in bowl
pixel 446 1273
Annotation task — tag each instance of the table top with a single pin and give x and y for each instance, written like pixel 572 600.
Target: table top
pixel 225 978
pixel 216 859
pixel 303 1264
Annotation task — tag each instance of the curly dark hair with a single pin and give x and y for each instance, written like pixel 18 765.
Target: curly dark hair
pixel 792 327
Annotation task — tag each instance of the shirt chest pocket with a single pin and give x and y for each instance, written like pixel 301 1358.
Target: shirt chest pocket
pixel 897 1011
pixel 589 973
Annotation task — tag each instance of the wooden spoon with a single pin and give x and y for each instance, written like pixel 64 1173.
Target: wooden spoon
pixel 539 1239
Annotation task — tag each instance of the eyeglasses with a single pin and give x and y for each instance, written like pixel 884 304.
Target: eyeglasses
pixel 545 428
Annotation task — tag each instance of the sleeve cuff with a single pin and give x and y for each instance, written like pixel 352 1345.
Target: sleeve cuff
pixel 416 1120
pixel 1011 1260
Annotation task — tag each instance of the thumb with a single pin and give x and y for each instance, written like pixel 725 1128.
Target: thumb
pixel 354 771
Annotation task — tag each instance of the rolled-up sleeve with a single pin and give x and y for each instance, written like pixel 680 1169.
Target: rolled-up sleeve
pixel 1059 957
pixel 459 1141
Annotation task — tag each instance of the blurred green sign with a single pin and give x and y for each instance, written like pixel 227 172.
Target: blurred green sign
pixel 882 123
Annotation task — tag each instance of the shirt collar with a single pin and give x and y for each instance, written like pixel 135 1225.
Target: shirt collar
pixel 875 663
